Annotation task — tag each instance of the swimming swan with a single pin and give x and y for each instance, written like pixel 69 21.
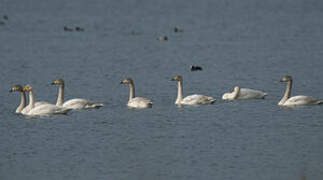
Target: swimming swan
pixel 76 103
pixel 19 88
pixel 22 105
pixel 136 102
pixel 295 100
pixel 244 93
pixel 195 99
pixel 43 109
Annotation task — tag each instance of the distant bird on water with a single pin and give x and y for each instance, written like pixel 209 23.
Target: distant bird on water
pixel 79 29
pixel 176 29
pixel 68 29
pixel 196 68
pixel 162 38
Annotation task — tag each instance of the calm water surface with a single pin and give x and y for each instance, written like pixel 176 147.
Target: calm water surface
pixel 247 43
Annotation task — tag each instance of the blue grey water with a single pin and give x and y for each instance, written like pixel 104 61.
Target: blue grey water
pixel 248 43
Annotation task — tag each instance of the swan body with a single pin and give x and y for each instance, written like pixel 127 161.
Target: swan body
pixel 76 103
pixel 41 109
pixel 195 99
pixel 47 109
pixel 28 108
pixel 244 93
pixel 295 100
pixel 136 102
pixel 139 102
pixel 79 103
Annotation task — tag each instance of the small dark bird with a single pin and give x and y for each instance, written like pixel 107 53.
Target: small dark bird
pixel 162 38
pixel 5 17
pixel 68 29
pixel 2 23
pixel 176 29
pixel 79 29
pixel 196 68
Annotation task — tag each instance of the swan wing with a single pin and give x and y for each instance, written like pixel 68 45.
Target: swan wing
pixel 197 99
pixel 41 103
pixel 140 102
pixel 246 93
pixel 300 100
pixel 79 103
pixel 28 108
pixel 227 96
pixel 47 109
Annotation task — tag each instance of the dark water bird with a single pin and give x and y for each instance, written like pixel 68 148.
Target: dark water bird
pixel 68 29
pixel 162 38
pixel 5 17
pixel 196 68
pixel 79 29
pixel 2 23
pixel 176 29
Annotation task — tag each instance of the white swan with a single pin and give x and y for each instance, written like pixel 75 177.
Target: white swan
pixel 295 100
pixel 195 99
pixel 136 102
pixel 43 109
pixel 22 104
pixel 244 93
pixel 21 108
pixel 76 103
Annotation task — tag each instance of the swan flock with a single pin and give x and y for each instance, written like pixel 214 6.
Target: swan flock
pixel 40 108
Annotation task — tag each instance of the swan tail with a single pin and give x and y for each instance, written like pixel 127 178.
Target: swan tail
pixel 319 102
pixel 212 100
pixel 65 111
pixel 96 105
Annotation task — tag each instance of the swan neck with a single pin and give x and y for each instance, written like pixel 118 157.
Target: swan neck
pixel 236 93
pixel 179 92
pixel 60 97
pixel 22 102
pixel 31 99
pixel 132 91
pixel 288 92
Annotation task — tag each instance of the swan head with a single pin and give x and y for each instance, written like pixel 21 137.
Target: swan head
pixel 58 82
pixel 16 87
pixel 127 81
pixel 286 79
pixel 177 78
pixel 236 89
pixel 27 88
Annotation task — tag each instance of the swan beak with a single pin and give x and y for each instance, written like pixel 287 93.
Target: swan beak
pixel 172 79
pixel 10 90
pixel 53 83
pixel 121 82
